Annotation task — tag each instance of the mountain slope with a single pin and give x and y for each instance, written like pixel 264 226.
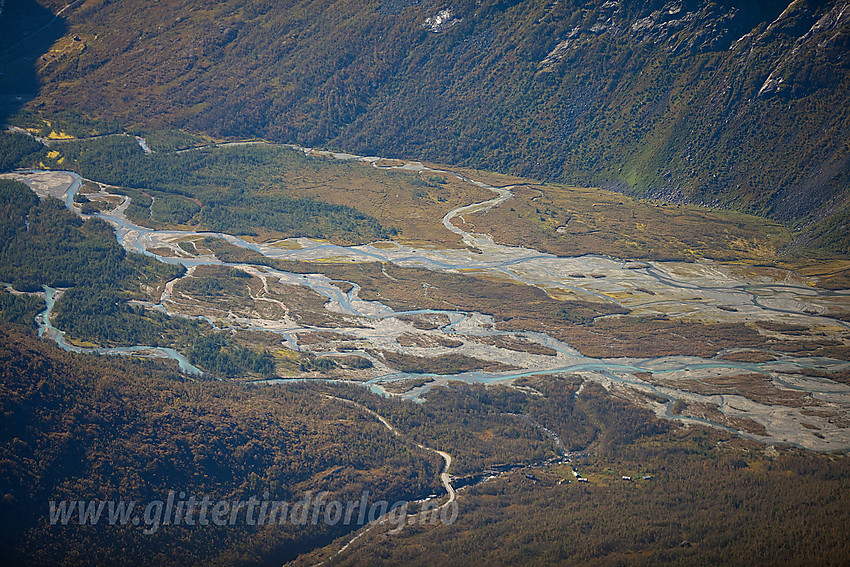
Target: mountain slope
pixel 735 104
pixel 82 428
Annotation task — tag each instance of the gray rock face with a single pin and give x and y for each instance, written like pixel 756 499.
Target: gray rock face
pixel 827 40
pixel 694 27
pixel 441 21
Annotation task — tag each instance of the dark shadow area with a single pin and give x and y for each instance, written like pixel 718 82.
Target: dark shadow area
pixel 27 30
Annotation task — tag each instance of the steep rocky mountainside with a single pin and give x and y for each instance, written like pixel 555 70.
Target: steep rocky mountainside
pixel 729 103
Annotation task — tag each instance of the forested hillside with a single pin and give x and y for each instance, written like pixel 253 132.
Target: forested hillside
pixel 738 104
pixel 98 428
pixel 81 428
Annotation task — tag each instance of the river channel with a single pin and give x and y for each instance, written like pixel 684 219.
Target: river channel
pixel 703 291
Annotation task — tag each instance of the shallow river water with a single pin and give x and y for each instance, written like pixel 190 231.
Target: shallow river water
pixel 705 291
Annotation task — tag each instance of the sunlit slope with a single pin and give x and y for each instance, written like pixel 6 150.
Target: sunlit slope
pixel 738 104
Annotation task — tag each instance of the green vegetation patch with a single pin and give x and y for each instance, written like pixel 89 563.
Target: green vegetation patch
pixel 240 190
pixel 215 354
pixel 45 244
pixel 17 150
pixel 20 308
pixel 170 140
pixel 103 316
pixel 63 124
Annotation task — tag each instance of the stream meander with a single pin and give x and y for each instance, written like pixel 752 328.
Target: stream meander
pixel 704 291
